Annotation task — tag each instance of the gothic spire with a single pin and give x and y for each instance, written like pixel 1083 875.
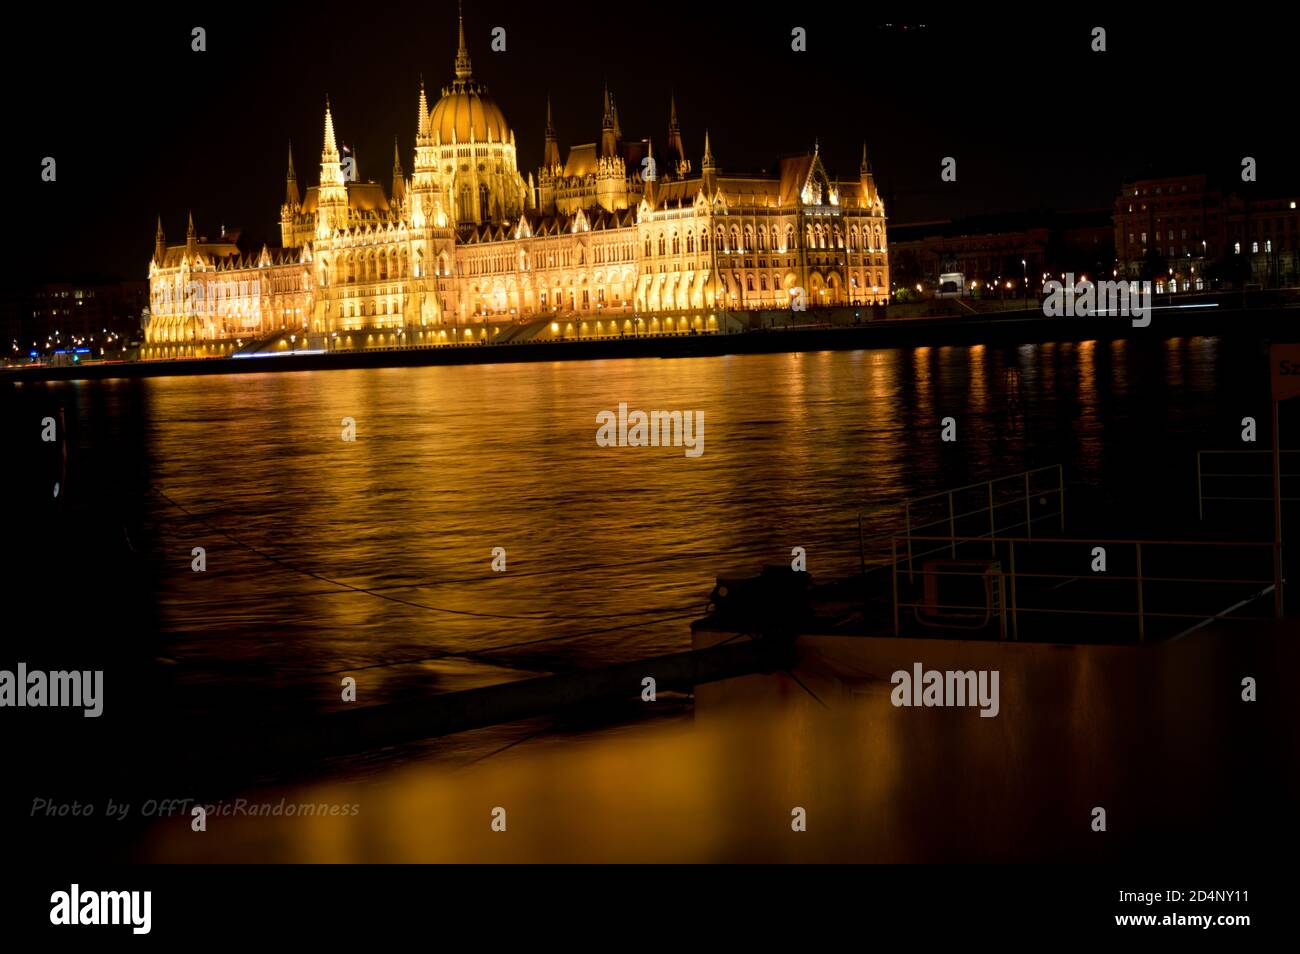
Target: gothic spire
pixel 291 196
pixel 399 180
pixel 424 110
pixel 551 147
pixel 331 150
pixel 462 51
pixel 676 152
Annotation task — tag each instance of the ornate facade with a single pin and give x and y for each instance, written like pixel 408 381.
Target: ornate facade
pixel 616 239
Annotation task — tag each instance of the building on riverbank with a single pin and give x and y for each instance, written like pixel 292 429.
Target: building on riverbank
pixel 620 237
pixel 94 312
pixel 999 254
pixel 1190 233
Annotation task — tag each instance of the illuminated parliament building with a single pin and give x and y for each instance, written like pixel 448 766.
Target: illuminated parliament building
pixel 622 237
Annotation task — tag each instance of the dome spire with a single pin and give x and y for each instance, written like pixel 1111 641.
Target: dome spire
pixel 462 51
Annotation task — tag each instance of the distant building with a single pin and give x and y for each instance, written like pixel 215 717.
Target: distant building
pixel 1186 231
pixel 93 313
pixel 995 251
pixel 624 236
pixel 1266 233
pixel 1175 221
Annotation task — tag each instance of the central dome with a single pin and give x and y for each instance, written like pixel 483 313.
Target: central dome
pixel 466 113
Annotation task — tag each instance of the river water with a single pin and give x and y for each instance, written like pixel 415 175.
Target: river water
pixel 373 558
pixel 608 551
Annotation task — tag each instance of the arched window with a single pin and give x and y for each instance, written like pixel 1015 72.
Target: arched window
pixel 790 243
pixel 762 239
pixel 662 244
pixel 483 212
pixel 690 242
pixel 676 244
pixel 647 246
pixel 704 241
pixel 762 282
pixel 749 283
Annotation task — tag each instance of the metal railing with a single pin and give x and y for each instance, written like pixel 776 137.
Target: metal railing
pixel 1007 566
pixel 1018 492
pixel 1203 475
pixel 1022 501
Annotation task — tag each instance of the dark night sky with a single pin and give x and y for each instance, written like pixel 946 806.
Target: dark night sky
pixel 140 125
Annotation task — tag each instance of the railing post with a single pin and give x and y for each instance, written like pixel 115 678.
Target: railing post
pixel 862 550
pixel 1029 518
pixel 1015 618
pixel 1200 507
pixel 910 577
pixel 952 528
pixel 1142 623
pixel 1002 606
pixel 993 525
pixel 1277 518
pixel 893 554
pixel 1060 492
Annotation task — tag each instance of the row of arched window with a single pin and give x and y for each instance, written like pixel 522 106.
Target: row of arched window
pixel 371 265
pixel 868 238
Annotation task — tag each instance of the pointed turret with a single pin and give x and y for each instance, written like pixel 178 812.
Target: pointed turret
pixel 399 181
pixel 651 176
pixel 608 136
pixel 551 151
pixel 332 201
pixel 291 196
pixel 331 150
pixel 159 243
pixel 867 180
pixel 675 156
pixel 420 127
pixel 191 240
pixel 708 166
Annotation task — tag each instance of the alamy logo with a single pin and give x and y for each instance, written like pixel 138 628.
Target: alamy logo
pixel 76 689
pixel 655 429
pixel 1085 299
pixel 103 907
pixel 947 688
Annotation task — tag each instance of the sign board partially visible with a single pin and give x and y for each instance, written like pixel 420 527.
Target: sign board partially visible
pixel 1284 368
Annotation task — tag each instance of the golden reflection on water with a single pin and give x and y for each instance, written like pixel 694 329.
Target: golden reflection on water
pixel 452 462
pixel 1076 728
